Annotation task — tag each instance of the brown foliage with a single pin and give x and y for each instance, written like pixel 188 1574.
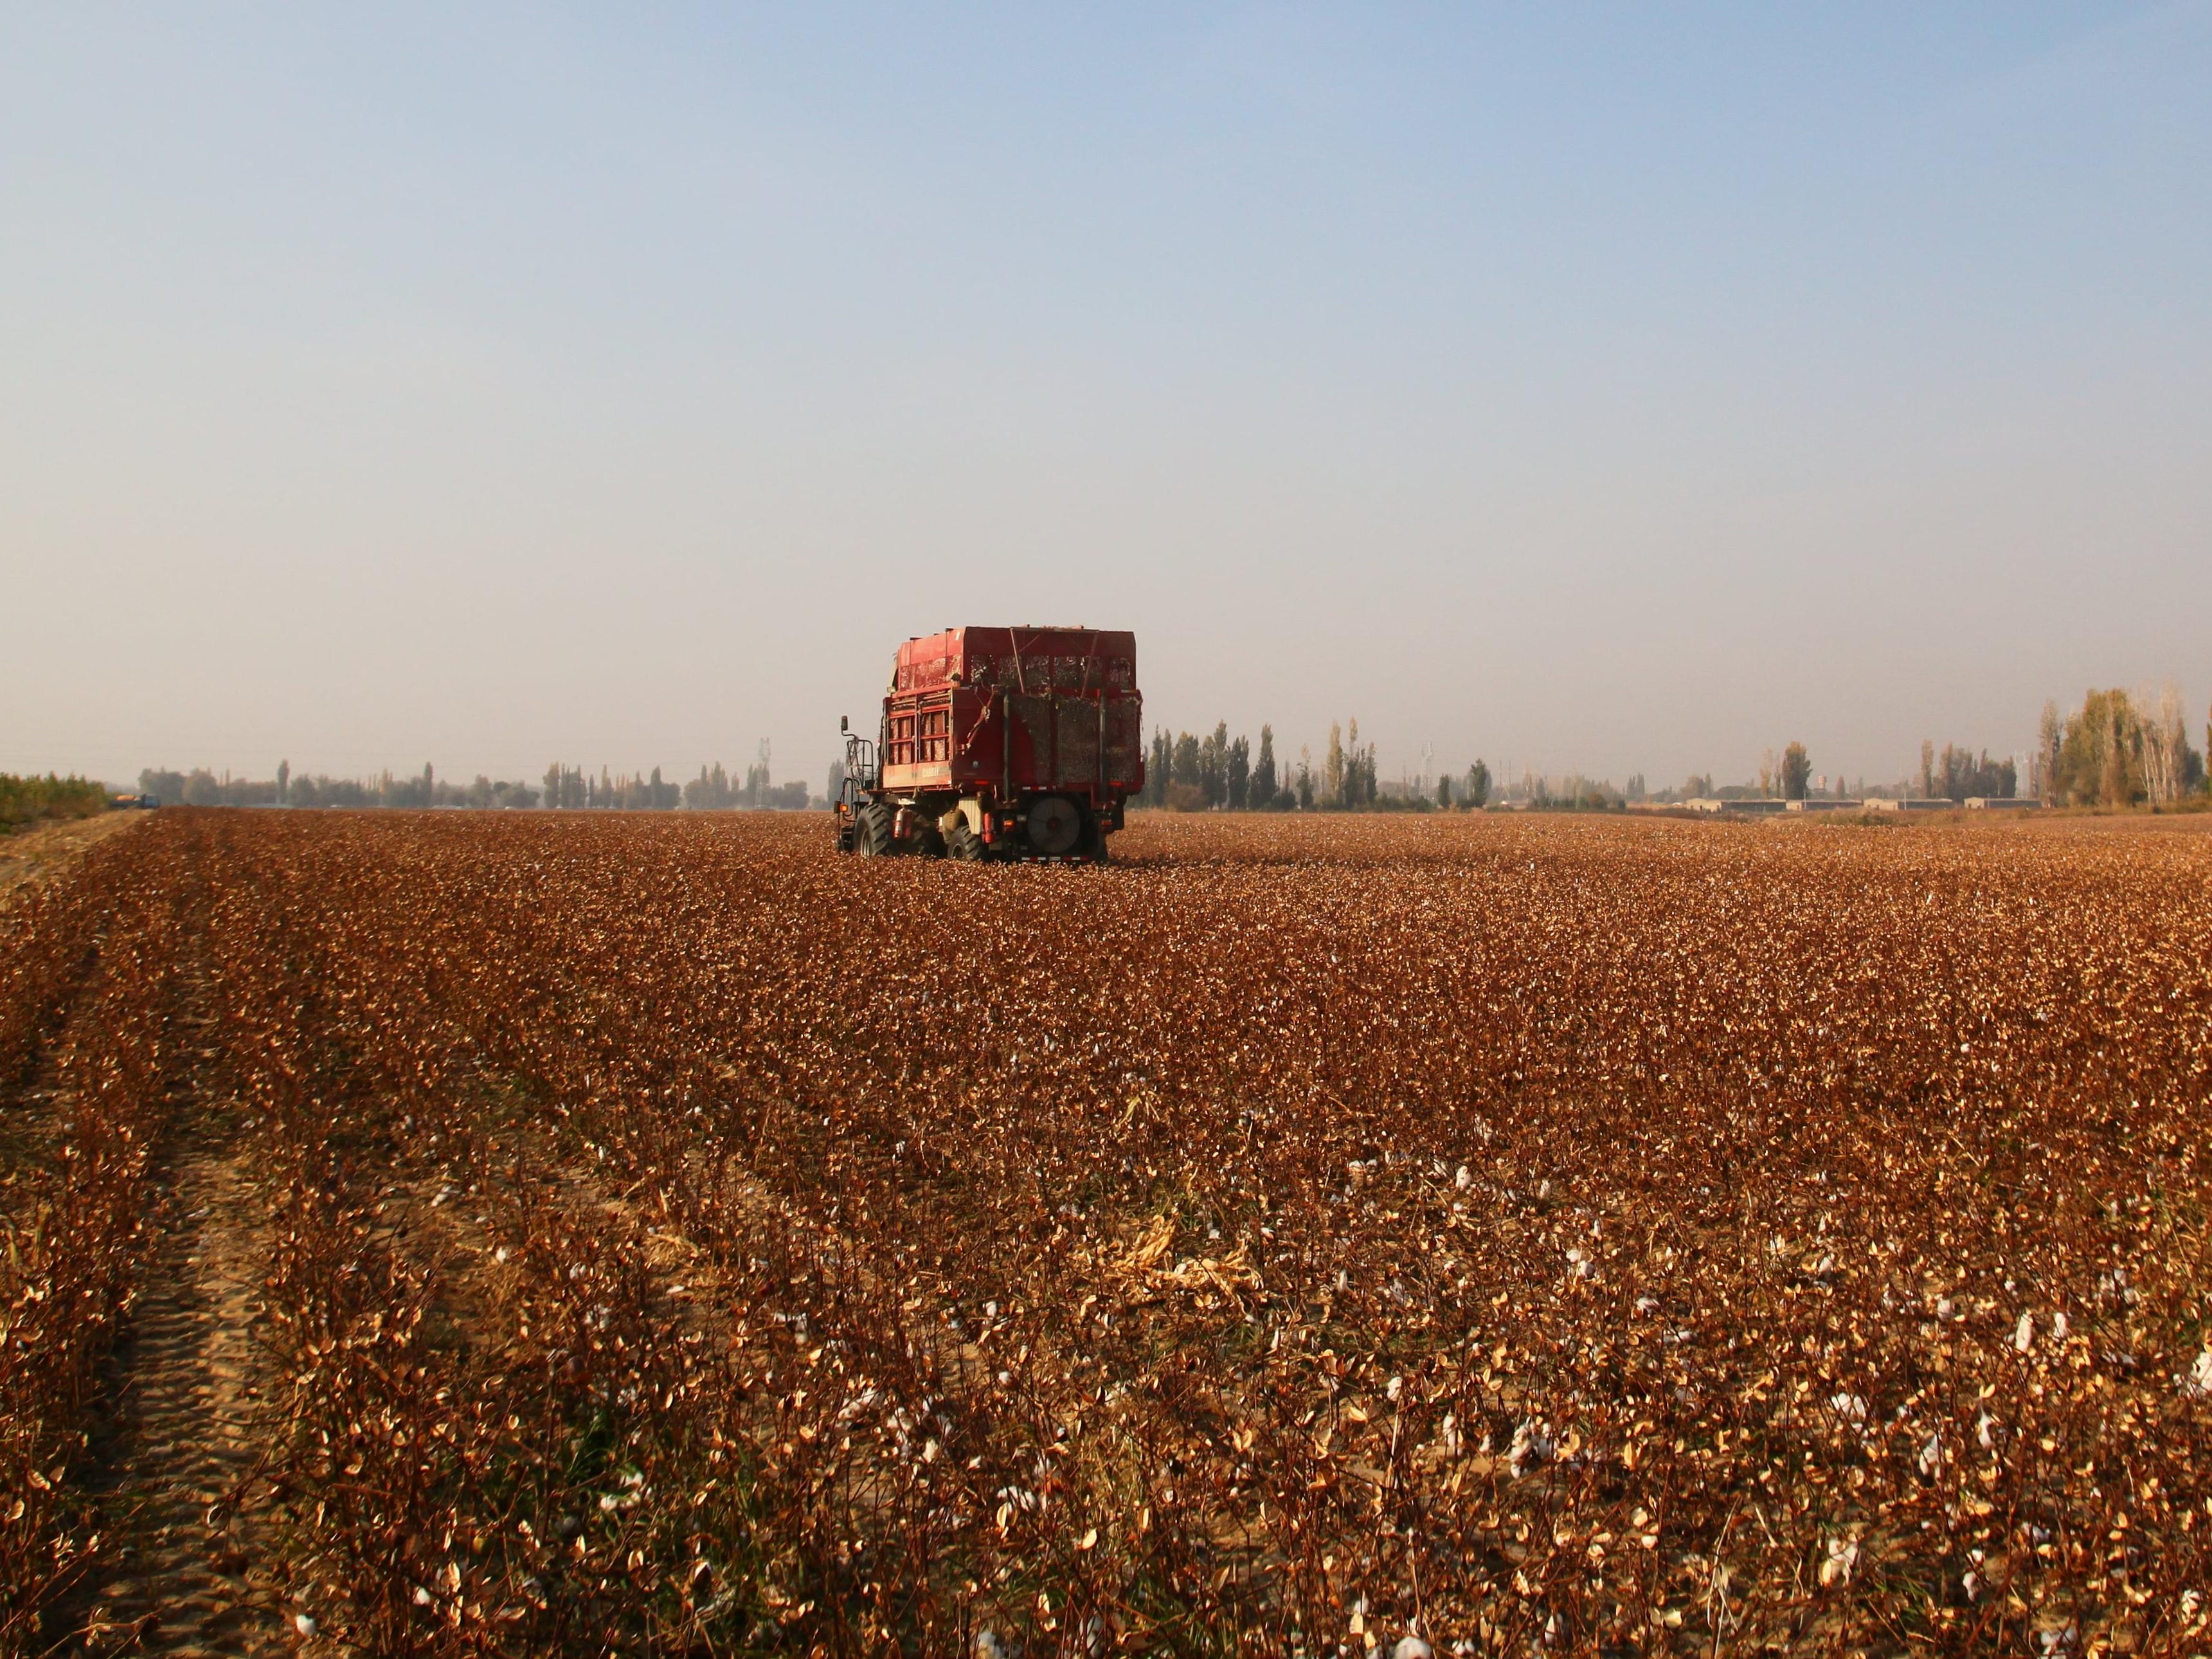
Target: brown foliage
pixel 1640 1234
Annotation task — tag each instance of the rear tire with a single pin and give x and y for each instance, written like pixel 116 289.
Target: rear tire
pixel 873 836
pixel 962 844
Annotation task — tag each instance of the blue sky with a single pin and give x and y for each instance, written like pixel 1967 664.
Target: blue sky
pixel 1609 388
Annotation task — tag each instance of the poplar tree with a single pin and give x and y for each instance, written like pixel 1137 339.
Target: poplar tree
pixel 1264 787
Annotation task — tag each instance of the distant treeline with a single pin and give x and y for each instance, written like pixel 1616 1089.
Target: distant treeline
pixel 27 800
pixel 564 786
pixel 712 790
pixel 1191 773
pixel 2117 750
pixel 202 788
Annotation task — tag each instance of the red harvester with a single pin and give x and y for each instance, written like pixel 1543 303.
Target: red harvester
pixel 999 743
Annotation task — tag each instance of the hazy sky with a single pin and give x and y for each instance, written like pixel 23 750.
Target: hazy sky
pixel 1599 388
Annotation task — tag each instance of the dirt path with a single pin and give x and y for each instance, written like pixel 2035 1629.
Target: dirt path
pixel 33 855
pixel 184 1431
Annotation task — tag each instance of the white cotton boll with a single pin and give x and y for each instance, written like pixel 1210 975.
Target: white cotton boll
pixel 1843 1559
pixel 1530 1448
pixel 1464 1179
pixel 987 1645
pixel 1411 1647
pixel 1945 1308
pixel 1850 1407
pixel 303 1624
pixel 1982 1437
pixel 2058 1328
pixel 1931 1454
pixel 2198 1384
pixel 2023 1336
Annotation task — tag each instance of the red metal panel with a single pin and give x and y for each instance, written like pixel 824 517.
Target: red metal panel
pixel 1016 709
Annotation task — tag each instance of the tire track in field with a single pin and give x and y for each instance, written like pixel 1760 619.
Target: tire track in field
pixel 185 1427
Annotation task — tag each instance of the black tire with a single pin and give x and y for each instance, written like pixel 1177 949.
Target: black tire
pixel 873 836
pixel 962 844
pixel 929 843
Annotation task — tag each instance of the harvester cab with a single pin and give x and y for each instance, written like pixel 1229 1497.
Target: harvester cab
pixel 1001 744
pixel 860 782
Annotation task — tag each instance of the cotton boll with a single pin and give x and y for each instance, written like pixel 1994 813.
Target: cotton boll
pixel 2197 1385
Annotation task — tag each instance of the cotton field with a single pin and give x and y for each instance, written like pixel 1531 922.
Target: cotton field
pixel 1303 1236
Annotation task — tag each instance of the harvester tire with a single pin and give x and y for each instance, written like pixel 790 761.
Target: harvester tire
pixel 962 844
pixel 874 836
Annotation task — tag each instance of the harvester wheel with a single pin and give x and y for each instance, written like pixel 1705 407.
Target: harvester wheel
pixel 962 843
pixel 874 835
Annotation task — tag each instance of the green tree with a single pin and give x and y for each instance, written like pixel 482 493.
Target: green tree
pixel 1186 762
pixel 1796 772
pixel 1960 775
pixel 1358 769
pixel 2099 758
pixel 1213 765
pixel 1264 787
pixel 1477 785
pixel 1333 767
pixel 1236 774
